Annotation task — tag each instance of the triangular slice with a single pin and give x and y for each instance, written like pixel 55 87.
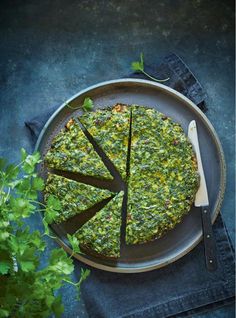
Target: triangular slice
pixel 75 197
pixel 71 151
pixel 102 232
pixel 110 128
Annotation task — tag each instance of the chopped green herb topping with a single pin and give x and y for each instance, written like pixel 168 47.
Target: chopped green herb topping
pixel 71 151
pixel 75 197
pixel 102 233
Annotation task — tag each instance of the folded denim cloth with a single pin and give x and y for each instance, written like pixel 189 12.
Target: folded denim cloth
pixel 180 289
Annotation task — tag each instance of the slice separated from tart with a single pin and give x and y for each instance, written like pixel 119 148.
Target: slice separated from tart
pixel 71 151
pixel 75 197
pixel 163 176
pixel 110 129
pixel 101 234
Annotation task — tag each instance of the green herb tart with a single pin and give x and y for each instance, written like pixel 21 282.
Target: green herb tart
pixel 75 197
pixel 101 234
pixel 162 179
pixel 71 151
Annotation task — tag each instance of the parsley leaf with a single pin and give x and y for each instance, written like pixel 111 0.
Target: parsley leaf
pixel 11 172
pixel 87 104
pixel 23 154
pixel 38 184
pixel 74 242
pixel 28 261
pixel 57 307
pixel 61 262
pixel 138 66
pixel 5 262
pixel 30 162
pixel 53 206
pixel 21 207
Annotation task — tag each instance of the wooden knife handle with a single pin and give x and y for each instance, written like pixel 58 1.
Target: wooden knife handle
pixel 209 240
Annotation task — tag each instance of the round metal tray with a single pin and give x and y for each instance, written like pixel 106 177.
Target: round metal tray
pixel 186 235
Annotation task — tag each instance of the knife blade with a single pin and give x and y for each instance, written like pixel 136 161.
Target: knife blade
pixel 202 201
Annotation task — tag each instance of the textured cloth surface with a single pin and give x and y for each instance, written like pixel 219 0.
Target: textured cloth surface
pixel 180 289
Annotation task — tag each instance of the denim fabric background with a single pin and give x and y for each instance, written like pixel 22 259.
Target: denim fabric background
pixel 49 50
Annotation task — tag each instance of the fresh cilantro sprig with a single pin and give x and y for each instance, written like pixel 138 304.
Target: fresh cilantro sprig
pixel 87 105
pixel 27 288
pixel 138 66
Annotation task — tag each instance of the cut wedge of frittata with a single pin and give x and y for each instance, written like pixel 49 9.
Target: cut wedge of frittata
pixel 71 151
pixel 110 128
pixel 163 176
pixel 101 233
pixel 75 197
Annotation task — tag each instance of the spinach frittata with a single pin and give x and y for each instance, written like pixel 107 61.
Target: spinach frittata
pixel 101 233
pixel 162 180
pixel 163 176
pixel 110 128
pixel 71 151
pixel 75 197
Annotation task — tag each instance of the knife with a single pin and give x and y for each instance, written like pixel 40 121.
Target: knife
pixel 201 200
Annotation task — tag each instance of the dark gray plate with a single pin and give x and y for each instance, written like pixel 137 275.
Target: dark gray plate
pixel 186 235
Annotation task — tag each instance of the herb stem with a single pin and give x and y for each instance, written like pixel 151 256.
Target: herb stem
pixel 153 78
pixel 37 202
pixel 68 105
pixel 72 283
pixel 52 237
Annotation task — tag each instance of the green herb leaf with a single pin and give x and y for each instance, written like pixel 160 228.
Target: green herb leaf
pixel 53 203
pixel 30 162
pixel 61 262
pixel 11 172
pixel 138 66
pixel 87 104
pixel 28 261
pixel 57 307
pixel 53 206
pixel 38 184
pixel 4 313
pixel 4 235
pixel 21 207
pixel 23 154
pixel 6 262
pixel 36 241
pixel 74 242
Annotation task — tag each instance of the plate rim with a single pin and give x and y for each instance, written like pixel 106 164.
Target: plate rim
pixel 222 171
